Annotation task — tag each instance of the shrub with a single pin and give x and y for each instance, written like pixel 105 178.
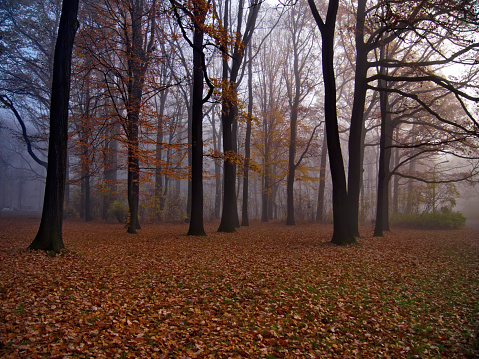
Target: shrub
pixel 118 210
pixel 69 211
pixel 445 219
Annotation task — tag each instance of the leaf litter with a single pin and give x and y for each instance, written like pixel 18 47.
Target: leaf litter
pixel 268 291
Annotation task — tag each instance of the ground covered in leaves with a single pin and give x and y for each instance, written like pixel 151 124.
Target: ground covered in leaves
pixel 266 291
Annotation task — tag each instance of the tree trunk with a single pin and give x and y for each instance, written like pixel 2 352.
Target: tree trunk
pixel 341 216
pixel 382 213
pixel 229 213
pixel 410 185
pixel 111 167
pixel 357 118
pixel 190 155
pixel 159 199
pixel 218 181
pixel 229 217
pixel 322 180
pixel 196 219
pixel 133 181
pixel 247 146
pixel 138 58
pixel 85 156
pixel 290 220
pixel 266 173
pixel 49 236
pixel 395 205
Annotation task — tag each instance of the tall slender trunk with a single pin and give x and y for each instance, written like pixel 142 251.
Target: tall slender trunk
pixel 322 180
pixel 133 169
pixel 138 52
pixel 190 154
pixel 357 119
pixel 111 167
pixel 410 186
pixel 341 216
pixel 247 146
pixel 218 180
pixel 196 220
pixel 290 220
pixel 382 213
pixel 395 205
pixel 85 156
pixel 229 217
pixel 49 235
pixel 159 170
pixel 266 174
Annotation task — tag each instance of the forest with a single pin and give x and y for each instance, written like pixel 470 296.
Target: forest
pixel 331 112
pixel 207 178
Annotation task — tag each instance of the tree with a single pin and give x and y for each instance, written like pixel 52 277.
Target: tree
pixel 298 87
pixel 247 155
pixel 197 16
pixel 196 218
pixel 122 43
pixel 428 27
pixel 229 217
pixel 28 34
pixel 322 180
pixel 49 236
pixel 341 234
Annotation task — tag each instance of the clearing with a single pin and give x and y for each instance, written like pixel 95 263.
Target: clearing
pixel 266 291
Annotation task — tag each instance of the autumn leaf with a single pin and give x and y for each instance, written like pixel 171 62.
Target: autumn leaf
pixel 267 291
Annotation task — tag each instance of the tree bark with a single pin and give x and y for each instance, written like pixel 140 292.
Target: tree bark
pixel 49 235
pixel 159 198
pixel 196 220
pixel 341 216
pixel 229 217
pixel 218 180
pixel 357 119
pixel 111 167
pixel 138 53
pixel 290 220
pixel 322 180
pixel 387 129
pixel 247 146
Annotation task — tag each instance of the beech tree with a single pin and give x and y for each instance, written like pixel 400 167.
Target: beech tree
pixel 229 217
pixel 342 234
pixel 122 44
pixel 247 155
pixel 429 24
pixel 49 236
pixel 28 36
pixel 299 84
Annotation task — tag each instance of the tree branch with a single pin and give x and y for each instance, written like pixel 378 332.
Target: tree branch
pixel 9 104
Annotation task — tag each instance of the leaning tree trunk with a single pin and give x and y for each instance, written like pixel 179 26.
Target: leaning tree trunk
pixel 49 236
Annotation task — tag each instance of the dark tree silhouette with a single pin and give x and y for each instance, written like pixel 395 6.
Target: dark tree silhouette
pixel 196 219
pixel 341 234
pixel 229 217
pixel 49 236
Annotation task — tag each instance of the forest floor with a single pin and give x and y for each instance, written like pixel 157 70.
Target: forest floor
pixel 267 291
